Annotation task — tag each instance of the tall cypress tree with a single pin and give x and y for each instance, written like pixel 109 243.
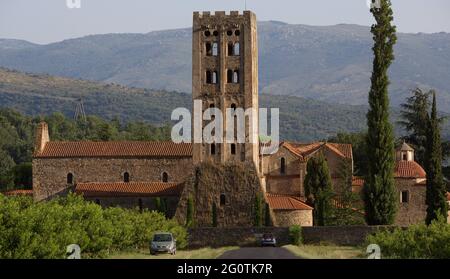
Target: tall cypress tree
pixel 380 197
pixel 318 189
pixel 436 191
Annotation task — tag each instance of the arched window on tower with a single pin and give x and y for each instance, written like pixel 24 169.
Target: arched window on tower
pixel 126 177
pixel 283 166
pixel 208 77
pixel 236 76
pixel 235 124
pixel 69 178
pixel 229 76
pixel 164 177
pixel 236 49
pixel 215 49
pixel 233 149
pixel 230 49
pixel 208 49
pixel 215 77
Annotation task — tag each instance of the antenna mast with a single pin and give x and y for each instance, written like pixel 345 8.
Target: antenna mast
pixel 80 114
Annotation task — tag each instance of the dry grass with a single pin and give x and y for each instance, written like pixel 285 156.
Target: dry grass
pixel 326 252
pixel 204 253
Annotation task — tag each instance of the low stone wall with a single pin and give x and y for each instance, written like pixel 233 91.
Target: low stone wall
pixel 218 237
pixel 340 235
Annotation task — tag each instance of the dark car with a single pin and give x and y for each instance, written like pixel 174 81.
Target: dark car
pixel 163 243
pixel 268 240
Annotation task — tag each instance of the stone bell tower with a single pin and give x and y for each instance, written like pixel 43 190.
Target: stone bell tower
pixel 225 75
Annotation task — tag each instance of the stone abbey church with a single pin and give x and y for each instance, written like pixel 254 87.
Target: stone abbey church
pixel 224 75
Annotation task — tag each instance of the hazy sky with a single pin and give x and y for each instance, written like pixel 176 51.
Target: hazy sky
pixel 44 21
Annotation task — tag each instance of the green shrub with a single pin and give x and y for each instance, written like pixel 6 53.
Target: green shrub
pixel 415 242
pixel 190 212
pixel 267 218
pixel 295 234
pixel 44 230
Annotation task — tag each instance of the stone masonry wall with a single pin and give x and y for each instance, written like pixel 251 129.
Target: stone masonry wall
pixel 50 175
pixel 287 218
pixel 238 183
pixel 415 210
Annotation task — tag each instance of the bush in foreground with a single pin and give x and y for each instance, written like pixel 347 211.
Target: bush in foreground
pixel 295 234
pixel 44 230
pixel 416 242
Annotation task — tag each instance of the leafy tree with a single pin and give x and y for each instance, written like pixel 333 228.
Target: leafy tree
pixel 6 174
pixel 415 114
pixel 359 149
pixel 347 210
pixel 436 191
pixel 379 191
pixel 214 214
pixel 190 212
pixel 23 176
pixel 318 189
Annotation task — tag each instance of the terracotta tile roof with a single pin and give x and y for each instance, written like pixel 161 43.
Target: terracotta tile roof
pixel 289 146
pixel 357 181
pixel 115 149
pixel 408 169
pixel 278 202
pixel 304 150
pixel 18 193
pixel 129 189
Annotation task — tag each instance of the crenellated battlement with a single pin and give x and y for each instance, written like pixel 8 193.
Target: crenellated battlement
pixel 208 14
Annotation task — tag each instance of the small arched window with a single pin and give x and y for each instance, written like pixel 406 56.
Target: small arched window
pixel 126 177
pixel 213 149
pixel 236 49
pixel 215 49
pixel 283 166
pixel 229 76
pixel 69 178
pixel 164 177
pixel 223 200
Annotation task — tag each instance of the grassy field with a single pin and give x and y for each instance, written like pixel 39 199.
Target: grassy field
pixel 204 253
pixel 326 252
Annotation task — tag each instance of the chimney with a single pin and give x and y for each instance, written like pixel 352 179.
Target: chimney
pixel 42 137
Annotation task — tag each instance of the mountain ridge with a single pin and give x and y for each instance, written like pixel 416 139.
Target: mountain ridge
pixel 325 63
pixel 300 119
